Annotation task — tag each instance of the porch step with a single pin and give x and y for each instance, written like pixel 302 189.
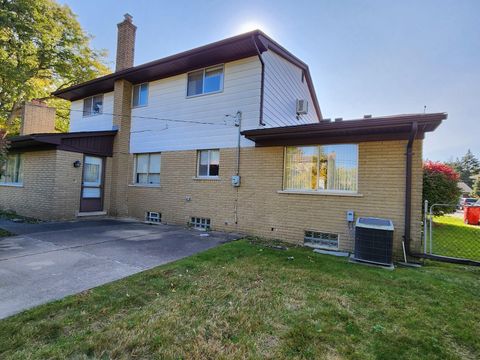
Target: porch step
pixel 91 214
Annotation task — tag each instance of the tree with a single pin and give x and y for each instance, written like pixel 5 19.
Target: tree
pixel 440 185
pixel 42 49
pixel 467 167
pixel 476 187
pixel 3 150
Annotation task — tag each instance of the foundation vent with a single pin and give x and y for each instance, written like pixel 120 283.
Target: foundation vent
pixel 153 217
pixel 319 239
pixel 200 223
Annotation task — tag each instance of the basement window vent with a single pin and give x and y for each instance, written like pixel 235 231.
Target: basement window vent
pixel 200 223
pixel 318 239
pixel 153 217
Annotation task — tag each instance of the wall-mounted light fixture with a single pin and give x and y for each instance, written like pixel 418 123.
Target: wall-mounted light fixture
pixel 77 164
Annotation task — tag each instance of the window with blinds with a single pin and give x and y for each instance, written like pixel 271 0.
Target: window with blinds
pixel 321 168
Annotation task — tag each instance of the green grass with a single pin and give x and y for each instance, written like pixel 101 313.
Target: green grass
pixel 246 300
pixel 452 237
pixel 4 233
pixel 10 215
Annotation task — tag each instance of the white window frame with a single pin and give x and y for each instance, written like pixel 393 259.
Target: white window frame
pixel 148 168
pixel 138 86
pixel 208 164
pixel 320 191
pixel 18 171
pixel 203 93
pixel 91 106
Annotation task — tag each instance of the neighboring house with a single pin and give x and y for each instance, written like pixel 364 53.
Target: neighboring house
pixel 465 189
pixel 228 136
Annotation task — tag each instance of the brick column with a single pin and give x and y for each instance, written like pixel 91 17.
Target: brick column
pixel 121 148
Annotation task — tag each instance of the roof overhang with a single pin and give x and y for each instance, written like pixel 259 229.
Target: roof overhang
pixel 397 127
pixel 231 49
pixel 87 142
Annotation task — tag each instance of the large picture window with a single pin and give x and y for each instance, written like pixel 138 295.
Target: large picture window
pixel 147 169
pixel 321 168
pixel 93 105
pixel 205 81
pixel 208 163
pixel 12 170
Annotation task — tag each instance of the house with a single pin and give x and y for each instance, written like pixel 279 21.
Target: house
pixel 465 189
pixel 228 136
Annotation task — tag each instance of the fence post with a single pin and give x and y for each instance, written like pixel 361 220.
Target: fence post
pixel 425 227
pixel 431 229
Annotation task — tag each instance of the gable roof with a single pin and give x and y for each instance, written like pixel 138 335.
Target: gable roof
pixel 396 127
pixel 234 48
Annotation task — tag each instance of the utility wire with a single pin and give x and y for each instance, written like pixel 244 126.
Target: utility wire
pixel 145 117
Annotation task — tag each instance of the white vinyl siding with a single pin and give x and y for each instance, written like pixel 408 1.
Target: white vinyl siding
pixel 282 87
pixel 325 168
pixel 147 169
pixel 12 170
pixel 167 100
pixel 99 122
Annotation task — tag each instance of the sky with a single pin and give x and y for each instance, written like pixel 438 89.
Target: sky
pixel 365 56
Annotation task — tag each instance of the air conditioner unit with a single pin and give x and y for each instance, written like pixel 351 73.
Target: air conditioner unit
pixel 302 107
pixel 374 240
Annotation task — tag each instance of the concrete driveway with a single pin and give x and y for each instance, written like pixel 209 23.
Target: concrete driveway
pixel 52 260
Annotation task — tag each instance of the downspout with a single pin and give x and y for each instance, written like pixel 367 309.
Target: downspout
pixel 262 81
pixel 408 187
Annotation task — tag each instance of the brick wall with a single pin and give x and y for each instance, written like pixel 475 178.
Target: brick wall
pixel 37 118
pixel 119 170
pixel 50 189
pixel 262 211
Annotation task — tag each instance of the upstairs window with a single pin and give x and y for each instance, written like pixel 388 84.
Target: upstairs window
pixel 208 163
pixel 140 95
pixel 12 169
pixel 321 168
pixel 205 81
pixel 147 169
pixel 93 105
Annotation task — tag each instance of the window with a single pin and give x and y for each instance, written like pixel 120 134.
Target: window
pixel 208 163
pixel 147 169
pixel 12 170
pixel 200 223
pixel 321 239
pixel 140 95
pixel 321 168
pixel 93 105
pixel 153 217
pixel 205 81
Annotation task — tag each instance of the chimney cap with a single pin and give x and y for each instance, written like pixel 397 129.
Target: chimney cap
pixel 128 17
pixel 367 116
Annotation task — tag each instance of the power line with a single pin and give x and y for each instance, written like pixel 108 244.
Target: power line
pixel 145 117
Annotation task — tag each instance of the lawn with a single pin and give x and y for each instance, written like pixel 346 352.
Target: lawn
pixel 452 237
pixel 247 300
pixel 4 233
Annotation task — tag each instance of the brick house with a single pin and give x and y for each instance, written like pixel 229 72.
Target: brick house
pixel 227 136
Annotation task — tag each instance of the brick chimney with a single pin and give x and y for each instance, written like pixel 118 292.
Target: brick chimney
pixel 37 118
pixel 125 43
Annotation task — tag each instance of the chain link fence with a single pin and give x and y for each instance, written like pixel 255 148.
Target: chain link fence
pixel 446 234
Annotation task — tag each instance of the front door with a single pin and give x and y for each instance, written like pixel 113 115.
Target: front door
pixel 92 184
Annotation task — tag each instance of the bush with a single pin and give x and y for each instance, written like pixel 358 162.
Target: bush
pixel 440 186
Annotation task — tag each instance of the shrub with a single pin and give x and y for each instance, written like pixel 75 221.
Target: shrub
pixel 440 186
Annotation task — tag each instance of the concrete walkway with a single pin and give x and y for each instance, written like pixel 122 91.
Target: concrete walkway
pixel 49 261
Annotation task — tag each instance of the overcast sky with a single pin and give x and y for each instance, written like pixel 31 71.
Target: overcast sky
pixel 366 57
